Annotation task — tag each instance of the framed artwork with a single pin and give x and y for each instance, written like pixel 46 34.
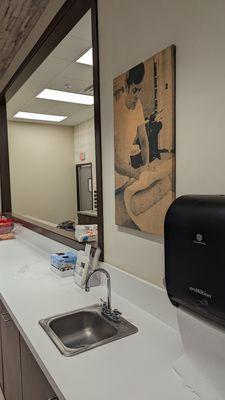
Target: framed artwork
pixel 144 137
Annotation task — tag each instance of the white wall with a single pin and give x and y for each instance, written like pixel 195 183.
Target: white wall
pixel 84 142
pixel 42 171
pixel 131 31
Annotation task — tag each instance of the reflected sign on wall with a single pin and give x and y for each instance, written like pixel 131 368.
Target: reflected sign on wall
pixel 82 156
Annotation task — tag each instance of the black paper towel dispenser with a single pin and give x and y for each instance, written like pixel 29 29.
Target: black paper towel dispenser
pixel 195 254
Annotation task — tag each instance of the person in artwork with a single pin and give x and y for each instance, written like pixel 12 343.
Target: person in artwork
pixel 142 194
pixel 130 127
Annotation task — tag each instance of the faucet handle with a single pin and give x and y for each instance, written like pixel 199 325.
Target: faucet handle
pixel 103 303
pixel 117 312
pixel 115 315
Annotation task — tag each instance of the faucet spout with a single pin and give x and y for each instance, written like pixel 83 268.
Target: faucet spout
pixel 103 271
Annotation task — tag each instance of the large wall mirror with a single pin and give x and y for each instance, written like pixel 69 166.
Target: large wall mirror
pixel 53 131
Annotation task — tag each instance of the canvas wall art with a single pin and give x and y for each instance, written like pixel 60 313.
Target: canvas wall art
pixel 144 133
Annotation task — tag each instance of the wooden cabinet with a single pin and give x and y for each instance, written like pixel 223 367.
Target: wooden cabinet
pixel 35 384
pixel 11 358
pixel 2 310
pixel 20 376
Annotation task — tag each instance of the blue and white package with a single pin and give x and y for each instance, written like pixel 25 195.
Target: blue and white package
pixel 63 261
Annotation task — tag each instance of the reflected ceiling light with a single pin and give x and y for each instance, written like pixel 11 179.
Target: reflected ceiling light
pixel 86 58
pixel 68 97
pixel 39 117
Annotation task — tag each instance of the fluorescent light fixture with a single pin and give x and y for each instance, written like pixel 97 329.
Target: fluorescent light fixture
pixel 86 58
pixel 39 117
pixel 69 97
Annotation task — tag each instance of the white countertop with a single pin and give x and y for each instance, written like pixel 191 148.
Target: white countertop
pixel 138 367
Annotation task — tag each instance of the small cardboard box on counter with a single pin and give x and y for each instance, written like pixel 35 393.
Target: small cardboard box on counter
pixel 63 263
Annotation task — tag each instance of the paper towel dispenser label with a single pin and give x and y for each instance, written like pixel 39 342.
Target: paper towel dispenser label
pixel 200 291
pixel 198 239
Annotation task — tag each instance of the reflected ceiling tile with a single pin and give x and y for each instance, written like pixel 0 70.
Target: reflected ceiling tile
pixel 54 65
pixel 68 97
pixel 83 28
pixel 71 48
pixel 86 58
pixel 39 117
pixel 76 72
pixel 67 83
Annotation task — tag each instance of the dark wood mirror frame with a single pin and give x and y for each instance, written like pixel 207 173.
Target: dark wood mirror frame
pixel 67 17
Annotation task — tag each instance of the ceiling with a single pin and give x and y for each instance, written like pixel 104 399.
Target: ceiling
pixel 59 71
pixel 17 19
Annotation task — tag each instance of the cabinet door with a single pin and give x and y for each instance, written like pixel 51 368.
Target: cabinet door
pixel 11 358
pixel 2 310
pixel 34 383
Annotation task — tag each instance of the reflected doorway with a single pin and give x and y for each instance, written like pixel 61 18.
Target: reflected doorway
pixel 84 187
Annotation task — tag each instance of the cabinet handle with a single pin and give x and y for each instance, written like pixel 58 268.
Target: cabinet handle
pixel 4 317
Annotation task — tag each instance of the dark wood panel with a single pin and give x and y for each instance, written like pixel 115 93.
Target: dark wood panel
pixel 97 117
pixel 35 384
pixel 2 310
pixel 4 160
pixel 11 358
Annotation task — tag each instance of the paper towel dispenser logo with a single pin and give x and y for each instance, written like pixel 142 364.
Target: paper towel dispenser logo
pixel 198 239
pixel 200 291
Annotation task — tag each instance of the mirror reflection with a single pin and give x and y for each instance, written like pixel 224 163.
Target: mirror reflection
pixel 52 138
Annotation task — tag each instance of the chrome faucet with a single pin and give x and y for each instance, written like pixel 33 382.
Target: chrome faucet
pixel 102 270
pixel 113 315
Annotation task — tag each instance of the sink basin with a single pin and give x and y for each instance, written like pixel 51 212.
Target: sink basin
pixel 84 329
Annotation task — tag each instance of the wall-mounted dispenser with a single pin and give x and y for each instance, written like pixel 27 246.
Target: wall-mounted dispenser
pixel 195 283
pixel 195 254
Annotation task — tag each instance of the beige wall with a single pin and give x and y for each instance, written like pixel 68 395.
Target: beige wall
pixel 42 171
pixel 84 142
pixel 130 32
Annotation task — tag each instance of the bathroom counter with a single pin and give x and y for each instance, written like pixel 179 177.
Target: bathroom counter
pixel 135 367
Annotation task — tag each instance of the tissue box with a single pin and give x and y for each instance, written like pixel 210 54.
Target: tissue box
pixel 64 261
pixel 62 273
pixel 86 233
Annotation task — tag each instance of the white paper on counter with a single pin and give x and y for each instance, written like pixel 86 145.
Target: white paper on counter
pixel 202 366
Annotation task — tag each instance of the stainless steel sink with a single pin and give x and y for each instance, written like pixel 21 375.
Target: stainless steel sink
pixel 84 329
